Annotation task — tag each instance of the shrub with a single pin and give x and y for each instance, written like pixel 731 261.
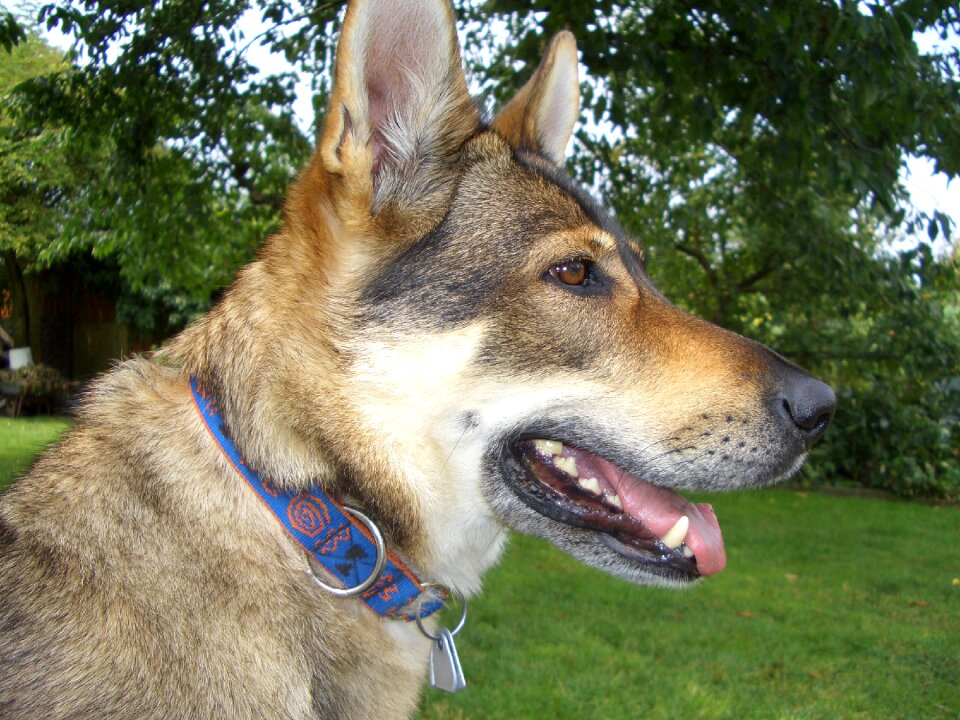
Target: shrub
pixel 39 380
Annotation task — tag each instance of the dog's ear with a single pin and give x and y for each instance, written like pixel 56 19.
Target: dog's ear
pixel 541 116
pixel 400 108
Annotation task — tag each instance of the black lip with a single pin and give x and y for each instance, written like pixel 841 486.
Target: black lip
pixel 618 532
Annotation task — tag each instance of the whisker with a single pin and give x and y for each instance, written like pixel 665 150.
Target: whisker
pixel 455 446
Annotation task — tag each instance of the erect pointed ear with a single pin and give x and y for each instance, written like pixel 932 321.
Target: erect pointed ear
pixel 541 116
pixel 400 108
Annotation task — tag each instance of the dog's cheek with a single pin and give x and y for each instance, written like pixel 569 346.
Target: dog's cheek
pixel 540 329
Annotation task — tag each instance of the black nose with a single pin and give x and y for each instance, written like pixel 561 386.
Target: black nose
pixel 809 404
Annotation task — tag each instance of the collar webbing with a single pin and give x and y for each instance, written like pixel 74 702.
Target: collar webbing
pixel 320 525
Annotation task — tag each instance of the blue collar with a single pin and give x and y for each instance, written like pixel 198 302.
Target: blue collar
pixel 331 535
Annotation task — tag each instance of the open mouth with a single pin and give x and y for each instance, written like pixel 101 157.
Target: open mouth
pixel 643 522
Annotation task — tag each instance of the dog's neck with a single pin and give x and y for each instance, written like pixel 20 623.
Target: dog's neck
pixel 343 541
pixel 325 442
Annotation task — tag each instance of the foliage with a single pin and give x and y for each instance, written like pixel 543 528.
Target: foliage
pixel 804 96
pixel 33 174
pixel 202 147
pixel 896 366
pixel 178 241
pixel 755 149
pixel 36 176
pixel 10 30
pixel 150 209
pixel 39 379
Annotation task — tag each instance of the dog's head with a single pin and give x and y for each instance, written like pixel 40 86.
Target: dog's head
pixel 473 341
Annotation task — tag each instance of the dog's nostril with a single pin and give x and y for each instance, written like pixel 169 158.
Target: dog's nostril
pixel 809 404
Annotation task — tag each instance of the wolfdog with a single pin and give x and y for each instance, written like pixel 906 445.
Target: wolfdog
pixel 447 338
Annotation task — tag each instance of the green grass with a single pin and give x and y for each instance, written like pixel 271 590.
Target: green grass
pixel 22 439
pixel 830 608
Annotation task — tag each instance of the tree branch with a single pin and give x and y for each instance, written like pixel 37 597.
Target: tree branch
pixel 748 283
pixel 239 173
pixel 701 259
pixel 305 15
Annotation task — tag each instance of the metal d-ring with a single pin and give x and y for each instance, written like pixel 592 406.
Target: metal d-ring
pixel 460 624
pixel 377 569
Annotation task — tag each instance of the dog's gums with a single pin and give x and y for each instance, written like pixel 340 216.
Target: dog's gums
pixel 649 524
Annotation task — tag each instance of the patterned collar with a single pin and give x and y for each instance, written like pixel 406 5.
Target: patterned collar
pixel 342 540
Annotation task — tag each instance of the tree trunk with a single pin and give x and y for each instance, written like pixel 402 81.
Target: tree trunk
pixel 21 304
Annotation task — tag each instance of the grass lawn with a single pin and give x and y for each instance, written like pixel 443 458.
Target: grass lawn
pixel 22 439
pixel 830 608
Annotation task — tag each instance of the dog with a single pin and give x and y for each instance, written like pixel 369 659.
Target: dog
pixel 446 339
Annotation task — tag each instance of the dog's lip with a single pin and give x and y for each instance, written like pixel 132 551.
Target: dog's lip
pixel 646 512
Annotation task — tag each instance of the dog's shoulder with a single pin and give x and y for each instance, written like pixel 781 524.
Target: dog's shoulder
pixel 112 448
pixel 129 544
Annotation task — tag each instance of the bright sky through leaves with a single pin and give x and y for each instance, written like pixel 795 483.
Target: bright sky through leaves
pixel 929 191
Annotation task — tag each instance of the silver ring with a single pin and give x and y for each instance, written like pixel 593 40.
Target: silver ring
pixel 460 624
pixel 377 569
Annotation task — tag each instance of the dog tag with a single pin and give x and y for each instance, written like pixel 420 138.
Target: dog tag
pixel 446 672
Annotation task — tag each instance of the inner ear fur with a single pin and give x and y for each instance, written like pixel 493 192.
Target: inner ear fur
pixel 400 108
pixel 541 116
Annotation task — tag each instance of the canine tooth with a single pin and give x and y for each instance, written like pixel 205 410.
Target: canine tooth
pixel 548 447
pixel 568 465
pixel 687 552
pixel 615 501
pixel 677 533
pixel 590 485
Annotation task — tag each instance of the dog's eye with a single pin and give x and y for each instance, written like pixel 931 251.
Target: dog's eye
pixel 570 272
pixel 580 276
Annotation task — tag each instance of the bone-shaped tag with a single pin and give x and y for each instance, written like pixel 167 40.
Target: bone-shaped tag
pixel 445 670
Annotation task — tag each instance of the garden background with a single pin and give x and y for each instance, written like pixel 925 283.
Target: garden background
pixel 757 150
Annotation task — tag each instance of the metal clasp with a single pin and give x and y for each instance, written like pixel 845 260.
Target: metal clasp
pixel 460 623
pixel 377 569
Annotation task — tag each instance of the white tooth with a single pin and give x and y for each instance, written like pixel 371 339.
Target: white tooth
pixel 687 552
pixel 568 465
pixel 677 533
pixel 549 447
pixel 591 485
pixel 615 501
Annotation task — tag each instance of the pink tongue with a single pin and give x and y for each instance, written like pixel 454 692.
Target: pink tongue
pixel 659 509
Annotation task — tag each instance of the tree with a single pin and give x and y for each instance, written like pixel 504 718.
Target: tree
pixel 754 148
pixel 805 101
pixel 11 32
pixel 151 212
pixel 176 75
pixel 33 178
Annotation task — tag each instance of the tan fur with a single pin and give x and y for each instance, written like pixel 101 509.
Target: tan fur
pixel 390 341
pixel 177 598
pixel 541 116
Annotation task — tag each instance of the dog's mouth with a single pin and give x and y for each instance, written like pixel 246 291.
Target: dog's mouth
pixel 643 522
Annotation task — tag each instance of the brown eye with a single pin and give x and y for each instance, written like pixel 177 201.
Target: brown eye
pixel 572 272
